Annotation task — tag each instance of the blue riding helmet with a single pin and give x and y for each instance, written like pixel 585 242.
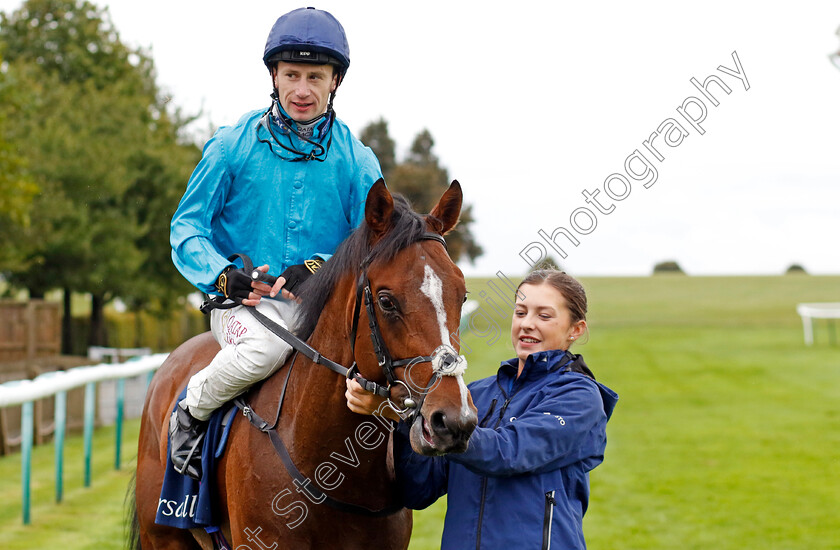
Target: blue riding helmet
pixel 307 35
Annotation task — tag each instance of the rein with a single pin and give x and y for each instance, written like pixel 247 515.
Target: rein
pixel 315 356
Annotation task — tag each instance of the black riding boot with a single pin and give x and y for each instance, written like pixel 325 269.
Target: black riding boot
pixel 186 437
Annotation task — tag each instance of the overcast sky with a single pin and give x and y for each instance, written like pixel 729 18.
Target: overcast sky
pixel 531 104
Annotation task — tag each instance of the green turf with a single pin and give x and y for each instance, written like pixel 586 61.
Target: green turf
pixel 87 518
pixel 726 436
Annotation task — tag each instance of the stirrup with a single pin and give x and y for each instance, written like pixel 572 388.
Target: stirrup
pixel 186 460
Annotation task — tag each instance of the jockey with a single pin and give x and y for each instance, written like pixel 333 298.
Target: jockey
pixel 284 185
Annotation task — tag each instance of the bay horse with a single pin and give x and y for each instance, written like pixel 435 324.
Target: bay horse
pixel 413 302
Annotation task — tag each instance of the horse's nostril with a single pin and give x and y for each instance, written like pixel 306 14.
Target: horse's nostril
pixel 438 421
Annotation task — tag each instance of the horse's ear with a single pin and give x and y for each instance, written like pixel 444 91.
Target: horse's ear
pixel 379 208
pixel 448 208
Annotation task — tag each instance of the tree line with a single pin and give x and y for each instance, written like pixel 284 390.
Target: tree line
pixel 94 159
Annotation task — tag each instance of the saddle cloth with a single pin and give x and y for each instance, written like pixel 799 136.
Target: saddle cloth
pixel 184 502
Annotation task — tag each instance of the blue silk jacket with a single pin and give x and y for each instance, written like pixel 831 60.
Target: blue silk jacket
pixel 248 195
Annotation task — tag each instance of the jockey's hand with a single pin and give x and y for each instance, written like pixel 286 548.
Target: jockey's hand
pixel 294 275
pixel 258 289
pixel 362 401
pixel 235 283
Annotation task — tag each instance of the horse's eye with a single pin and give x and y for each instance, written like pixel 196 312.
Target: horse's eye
pixel 386 303
pixel 465 299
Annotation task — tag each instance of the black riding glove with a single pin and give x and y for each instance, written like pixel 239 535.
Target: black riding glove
pixel 234 283
pixel 296 274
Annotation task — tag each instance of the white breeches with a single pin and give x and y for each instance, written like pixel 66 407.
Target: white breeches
pixel 250 353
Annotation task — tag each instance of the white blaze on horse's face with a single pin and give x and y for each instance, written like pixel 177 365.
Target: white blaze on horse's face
pixel 432 288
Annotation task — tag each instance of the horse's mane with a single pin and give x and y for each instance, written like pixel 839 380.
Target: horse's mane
pixel 407 227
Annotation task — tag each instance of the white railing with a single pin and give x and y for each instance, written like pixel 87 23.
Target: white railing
pixel 116 355
pixel 26 392
pixel 809 312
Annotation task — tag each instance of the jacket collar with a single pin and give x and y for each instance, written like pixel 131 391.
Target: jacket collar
pixel 270 127
pixel 538 364
pixel 314 131
pixel 545 362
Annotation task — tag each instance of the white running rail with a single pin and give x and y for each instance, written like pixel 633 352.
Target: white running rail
pixel 809 312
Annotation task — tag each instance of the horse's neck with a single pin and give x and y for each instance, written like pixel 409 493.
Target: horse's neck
pixel 315 422
pixel 312 391
pixel 319 392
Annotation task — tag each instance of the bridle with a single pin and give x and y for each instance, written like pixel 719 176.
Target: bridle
pixel 443 355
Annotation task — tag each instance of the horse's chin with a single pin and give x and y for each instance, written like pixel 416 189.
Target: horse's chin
pixel 421 438
pixel 424 442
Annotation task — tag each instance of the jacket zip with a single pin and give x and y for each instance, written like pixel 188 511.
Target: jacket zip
pixel 481 513
pixel 548 517
pixel 489 412
pixel 484 479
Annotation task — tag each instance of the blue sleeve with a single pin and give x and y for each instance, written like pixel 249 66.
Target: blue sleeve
pixel 421 479
pixel 193 253
pixel 566 425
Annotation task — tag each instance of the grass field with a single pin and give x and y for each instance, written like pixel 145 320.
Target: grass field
pixel 726 436
pixel 87 518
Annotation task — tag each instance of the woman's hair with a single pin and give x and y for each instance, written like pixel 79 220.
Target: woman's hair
pixel 566 285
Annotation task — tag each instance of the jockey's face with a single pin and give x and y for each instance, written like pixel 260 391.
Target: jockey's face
pixel 304 89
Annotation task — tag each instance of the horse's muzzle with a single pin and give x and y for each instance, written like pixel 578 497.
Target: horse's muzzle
pixel 442 433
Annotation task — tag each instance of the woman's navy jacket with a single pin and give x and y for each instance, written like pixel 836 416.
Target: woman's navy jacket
pixel 523 482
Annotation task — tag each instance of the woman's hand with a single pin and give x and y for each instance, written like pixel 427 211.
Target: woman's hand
pixel 364 402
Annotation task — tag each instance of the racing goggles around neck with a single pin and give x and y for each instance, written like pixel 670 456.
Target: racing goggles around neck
pixel 289 126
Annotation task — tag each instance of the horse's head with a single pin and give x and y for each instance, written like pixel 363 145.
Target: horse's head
pixel 416 294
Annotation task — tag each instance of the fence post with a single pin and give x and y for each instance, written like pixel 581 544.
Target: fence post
pixel 90 394
pixel 26 431
pixel 60 425
pixel 31 331
pixel 119 421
